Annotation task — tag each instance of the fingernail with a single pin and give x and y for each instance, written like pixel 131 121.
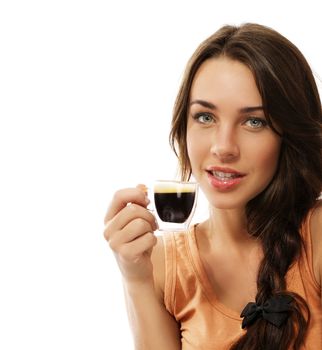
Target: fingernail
pixel 142 188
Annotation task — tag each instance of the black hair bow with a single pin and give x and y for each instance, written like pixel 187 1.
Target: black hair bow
pixel 275 310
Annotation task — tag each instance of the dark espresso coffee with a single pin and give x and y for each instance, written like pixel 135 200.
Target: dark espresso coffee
pixel 173 206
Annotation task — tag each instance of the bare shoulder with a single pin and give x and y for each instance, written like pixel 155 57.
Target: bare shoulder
pixel 316 233
pixel 158 262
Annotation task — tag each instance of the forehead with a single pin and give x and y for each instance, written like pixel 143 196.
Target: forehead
pixel 223 78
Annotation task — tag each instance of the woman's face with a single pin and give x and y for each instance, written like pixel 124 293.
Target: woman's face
pixel 233 152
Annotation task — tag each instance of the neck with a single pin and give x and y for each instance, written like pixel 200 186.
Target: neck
pixel 228 228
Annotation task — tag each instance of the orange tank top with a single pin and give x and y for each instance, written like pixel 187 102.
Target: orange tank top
pixel 206 323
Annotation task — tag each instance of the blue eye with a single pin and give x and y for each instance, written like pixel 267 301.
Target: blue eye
pixel 204 118
pixel 256 123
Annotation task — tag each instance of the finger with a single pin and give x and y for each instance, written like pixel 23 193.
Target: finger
pixel 129 213
pixel 143 188
pixel 123 197
pixel 132 231
pixel 131 218
pixel 135 249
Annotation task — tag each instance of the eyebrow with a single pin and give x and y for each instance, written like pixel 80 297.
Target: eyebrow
pixel 210 105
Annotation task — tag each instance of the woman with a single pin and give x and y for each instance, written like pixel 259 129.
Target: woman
pixel 247 124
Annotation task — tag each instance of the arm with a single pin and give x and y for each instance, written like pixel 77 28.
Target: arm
pixel 140 257
pixel 152 326
pixel 316 232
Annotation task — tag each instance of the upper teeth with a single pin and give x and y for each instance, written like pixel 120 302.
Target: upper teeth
pixel 224 175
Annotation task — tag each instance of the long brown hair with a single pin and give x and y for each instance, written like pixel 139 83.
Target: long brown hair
pixel 293 109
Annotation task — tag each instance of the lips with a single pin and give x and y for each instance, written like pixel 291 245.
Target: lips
pixel 221 175
pixel 224 178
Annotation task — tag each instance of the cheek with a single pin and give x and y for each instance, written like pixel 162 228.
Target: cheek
pixel 266 157
pixel 196 147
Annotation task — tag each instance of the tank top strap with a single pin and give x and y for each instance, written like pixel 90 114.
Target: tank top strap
pixel 307 253
pixel 170 270
pixel 179 272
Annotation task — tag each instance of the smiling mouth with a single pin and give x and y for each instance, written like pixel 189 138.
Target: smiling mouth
pixel 220 175
pixel 224 179
pixel 224 175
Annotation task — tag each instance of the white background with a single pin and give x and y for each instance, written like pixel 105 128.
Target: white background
pixel 86 94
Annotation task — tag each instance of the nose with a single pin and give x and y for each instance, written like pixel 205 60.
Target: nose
pixel 225 145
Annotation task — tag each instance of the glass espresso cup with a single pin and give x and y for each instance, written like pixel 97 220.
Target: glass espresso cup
pixel 174 204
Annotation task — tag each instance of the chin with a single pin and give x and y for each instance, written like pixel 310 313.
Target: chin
pixel 232 200
pixel 228 205
pixel 225 201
